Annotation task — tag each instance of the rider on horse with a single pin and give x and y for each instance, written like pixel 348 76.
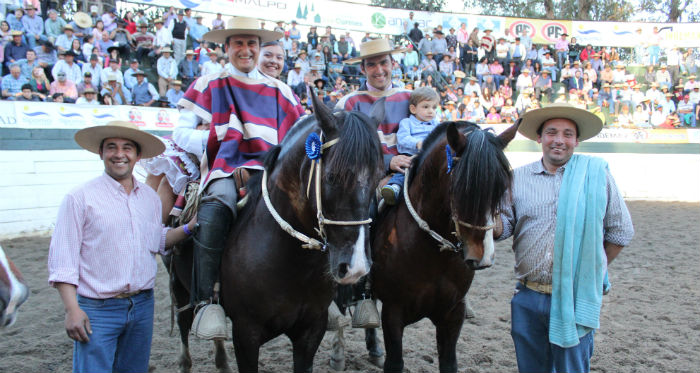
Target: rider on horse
pixel 249 113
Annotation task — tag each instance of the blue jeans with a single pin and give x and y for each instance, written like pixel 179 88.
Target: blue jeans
pixel 397 179
pixel 562 58
pixel 530 332
pixel 121 335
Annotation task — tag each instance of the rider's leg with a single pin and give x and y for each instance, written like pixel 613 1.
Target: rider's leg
pixel 215 215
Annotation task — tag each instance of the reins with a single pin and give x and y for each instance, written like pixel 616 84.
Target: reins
pixel 315 170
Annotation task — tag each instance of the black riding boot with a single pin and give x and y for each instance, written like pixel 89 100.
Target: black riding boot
pixel 214 220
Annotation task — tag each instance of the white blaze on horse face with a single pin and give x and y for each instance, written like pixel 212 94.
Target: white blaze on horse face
pixel 487 259
pixel 18 293
pixel 359 266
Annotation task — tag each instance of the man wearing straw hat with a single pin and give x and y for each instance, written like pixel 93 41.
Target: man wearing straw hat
pixel 241 132
pixel 569 221
pixel 102 256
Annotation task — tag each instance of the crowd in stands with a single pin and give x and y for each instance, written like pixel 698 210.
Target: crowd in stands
pixel 107 59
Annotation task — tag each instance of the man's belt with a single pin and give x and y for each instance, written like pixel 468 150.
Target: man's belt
pixel 537 286
pixel 128 295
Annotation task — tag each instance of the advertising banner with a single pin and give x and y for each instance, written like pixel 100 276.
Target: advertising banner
pixel 57 115
pixel 623 34
pixel 366 18
pixel 541 31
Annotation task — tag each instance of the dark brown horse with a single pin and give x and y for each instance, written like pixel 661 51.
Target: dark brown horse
pixel 418 274
pixel 270 284
pixel 13 290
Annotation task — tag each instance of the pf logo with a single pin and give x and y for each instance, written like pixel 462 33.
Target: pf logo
pixel 516 28
pixel 552 31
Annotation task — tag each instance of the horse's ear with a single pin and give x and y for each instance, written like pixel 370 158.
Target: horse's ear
pixel 378 111
pixel 455 139
pixel 324 116
pixel 509 134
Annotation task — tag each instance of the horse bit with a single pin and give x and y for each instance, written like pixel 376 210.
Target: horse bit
pixel 314 150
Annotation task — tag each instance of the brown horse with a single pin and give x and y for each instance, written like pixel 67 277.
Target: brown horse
pixel 273 282
pixel 13 290
pixel 420 268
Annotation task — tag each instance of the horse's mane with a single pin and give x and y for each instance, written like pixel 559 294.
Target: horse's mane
pixel 436 136
pixel 358 148
pixel 481 177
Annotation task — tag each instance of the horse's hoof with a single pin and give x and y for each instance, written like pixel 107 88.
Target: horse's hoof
pixel 377 361
pixel 337 365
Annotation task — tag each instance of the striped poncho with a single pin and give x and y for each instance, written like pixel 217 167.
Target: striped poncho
pixel 396 109
pixel 247 117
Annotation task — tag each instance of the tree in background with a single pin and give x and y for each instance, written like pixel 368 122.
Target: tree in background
pixel 592 10
pixel 424 5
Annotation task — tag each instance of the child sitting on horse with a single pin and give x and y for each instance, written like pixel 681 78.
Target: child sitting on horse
pixel 412 131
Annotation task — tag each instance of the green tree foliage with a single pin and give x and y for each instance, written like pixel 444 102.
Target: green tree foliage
pixel 672 10
pixel 424 5
pixel 593 10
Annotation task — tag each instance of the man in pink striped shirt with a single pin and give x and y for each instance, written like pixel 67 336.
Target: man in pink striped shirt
pixel 102 257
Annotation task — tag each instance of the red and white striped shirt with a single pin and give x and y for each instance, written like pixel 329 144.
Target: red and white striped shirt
pixel 106 240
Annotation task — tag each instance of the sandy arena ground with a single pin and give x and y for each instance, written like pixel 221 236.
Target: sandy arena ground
pixel 650 320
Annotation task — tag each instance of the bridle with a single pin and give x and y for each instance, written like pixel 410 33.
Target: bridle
pixel 314 151
pixel 445 244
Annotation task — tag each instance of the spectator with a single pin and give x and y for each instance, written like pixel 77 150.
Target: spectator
pixel 143 92
pixel 33 26
pixel 15 50
pixel 343 48
pixel 179 30
pixel 524 81
pixel 470 58
pixel 13 82
pixel 82 25
pixel 29 95
pixel 502 50
pixel 28 64
pixel 64 86
pixel 104 44
pixel 311 37
pixel 663 77
pixel 167 70
pixel 488 42
pixel 94 68
pixel 5 33
pixel 496 72
pixel 77 51
pixel 175 93
pixel 438 45
pixel 64 41
pixel 68 66
pixel 212 65
pixel 686 111
pixel 562 48
pixel 144 42
pixel 39 82
pixel 86 83
pixel 294 32
pixel 88 47
pixel 657 117
pixel 197 30
pixel 188 68
pixel 217 23
pixel 543 84
pixel 98 30
pixel 89 97
pixel 164 38
pixel 15 20
pixel 122 40
pixel 119 94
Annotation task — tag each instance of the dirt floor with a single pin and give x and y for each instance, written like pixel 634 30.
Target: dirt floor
pixel 650 320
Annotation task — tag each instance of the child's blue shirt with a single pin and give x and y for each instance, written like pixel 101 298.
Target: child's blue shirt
pixel 411 131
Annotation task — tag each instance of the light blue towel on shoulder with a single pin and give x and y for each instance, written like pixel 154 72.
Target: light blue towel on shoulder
pixel 579 271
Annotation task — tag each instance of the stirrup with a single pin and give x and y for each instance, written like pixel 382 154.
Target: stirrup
pixel 366 315
pixel 209 322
